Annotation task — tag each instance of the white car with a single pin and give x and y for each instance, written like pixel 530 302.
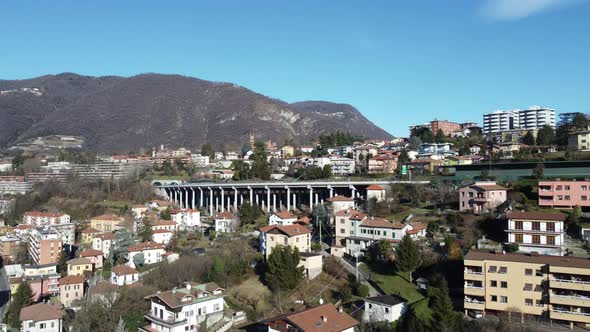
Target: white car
pixel 476 314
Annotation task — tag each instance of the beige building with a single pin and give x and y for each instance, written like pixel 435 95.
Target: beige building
pixel 579 140
pixel 345 222
pixel 79 266
pixel 71 288
pixel 106 223
pixel 95 256
pixel 88 235
pixel 553 287
pixel 481 197
pixel 296 236
pixel 8 245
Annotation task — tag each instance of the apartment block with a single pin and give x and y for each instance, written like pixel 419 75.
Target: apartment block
pixel 481 197
pixel 539 232
pixel 564 194
pixel 551 287
pixel 533 118
pixel 296 236
pixel 39 219
pixel 579 140
pixel 44 246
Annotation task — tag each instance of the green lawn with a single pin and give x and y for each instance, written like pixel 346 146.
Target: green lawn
pixel 394 283
pixel 403 214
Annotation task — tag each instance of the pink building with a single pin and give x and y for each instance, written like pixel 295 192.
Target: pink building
pixel 564 194
pixel 481 197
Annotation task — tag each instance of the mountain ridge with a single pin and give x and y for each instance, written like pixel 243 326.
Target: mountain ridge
pixel 116 114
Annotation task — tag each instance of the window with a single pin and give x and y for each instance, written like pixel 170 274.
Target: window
pixel 504 284
pixel 462 194
pixel 528 287
pixel 518 224
pixel 504 299
pixel 342 221
pixel 551 240
pixel 528 302
pixel 584 197
pixel 559 187
pixel 538 273
pixel 536 226
pixel 567 197
pixel 536 239
pixel 518 238
pixel 342 231
pixel 560 197
pixel 493 269
pixel 494 298
pixel 567 187
pixel 42 325
pixel 550 227
pixel 493 283
pixel 584 187
pixel 503 270
pixel 370 306
pixel 528 272
pixel 470 194
pixel 539 303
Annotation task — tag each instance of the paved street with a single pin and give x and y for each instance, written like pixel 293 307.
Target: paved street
pixel 4 294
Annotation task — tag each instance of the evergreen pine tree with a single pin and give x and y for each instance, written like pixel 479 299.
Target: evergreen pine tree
pixel 407 256
pixel 282 271
pixel 23 297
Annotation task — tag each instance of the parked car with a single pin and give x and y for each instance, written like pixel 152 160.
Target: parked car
pixel 476 314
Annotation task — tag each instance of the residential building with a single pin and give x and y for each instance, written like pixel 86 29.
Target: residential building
pixel 540 232
pixel 186 218
pixel 225 222
pixel 579 140
pixel 533 118
pixel 43 279
pixel 296 236
pixel 14 185
pixel 139 210
pixel 376 192
pixel 312 264
pixel 199 160
pixel 550 287
pixel 152 252
pixel 106 223
pixel 71 288
pixel 384 308
pixel 340 203
pixel 66 232
pixel 321 318
pixel 40 219
pixel 342 166
pixel 95 256
pixel 103 242
pixel 383 164
pixel 184 309
pixel 564 194
pixel 79 267
pixel 88 235
pixel 122 275
pixel 282 218
pixel 8 244
pixel 44 246
pixel 166 225
pixel 371 230
pixel 481 197
pixel 162 236
pixel 447 127
pixel 42 317
pixel 345 223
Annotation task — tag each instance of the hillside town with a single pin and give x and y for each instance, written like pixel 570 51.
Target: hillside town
pixel 456 227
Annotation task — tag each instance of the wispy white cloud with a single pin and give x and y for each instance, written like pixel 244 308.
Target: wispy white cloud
pixel 504 10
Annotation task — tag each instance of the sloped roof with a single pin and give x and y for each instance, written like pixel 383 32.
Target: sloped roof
pixel 224 215
pixel 145 246
pixel 380 223
pixel 375 187
pixel 70 280
pixel 91 253
pixel 290 230
pixel 285 215
pixel 351 213
pixel 340 199
pixel 79 261
pixel 325 318
pixel 41 312
pixel 109 217
pixel 549 216
pixel 122 270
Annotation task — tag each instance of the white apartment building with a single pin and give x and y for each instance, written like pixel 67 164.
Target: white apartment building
pixel 152 252
pixel 184 309
pixel 186 218
pixel 39 219
pixel 540 232
pixel 533 118
pixel 103 242
pixel 200 160
pixel 342 166
pixel 282 218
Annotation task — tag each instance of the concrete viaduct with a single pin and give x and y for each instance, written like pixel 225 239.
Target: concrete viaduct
pixel 270 196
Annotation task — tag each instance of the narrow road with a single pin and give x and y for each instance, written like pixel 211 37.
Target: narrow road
pixel 362 276
pixel 4 294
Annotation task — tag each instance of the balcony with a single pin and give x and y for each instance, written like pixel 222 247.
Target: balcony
pixel 472 274
pixel 168 321
pixel 570 316
pixel 580 285
pixel 474 305
pixel 471 289
pixel 573 300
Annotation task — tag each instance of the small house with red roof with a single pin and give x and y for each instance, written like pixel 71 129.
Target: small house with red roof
pixel 95 256
pixel 376 191
pixel 152 252
pixel 226 222
pixel 296 236
pixel 340 203
pixel 186 218
pixel 282 218
pixel 122 275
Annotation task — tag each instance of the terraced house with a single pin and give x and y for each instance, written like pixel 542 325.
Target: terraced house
pixel 550 287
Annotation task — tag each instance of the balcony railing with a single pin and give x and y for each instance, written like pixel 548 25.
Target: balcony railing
pixel 570 312
pixel 571 281
pixel 473 272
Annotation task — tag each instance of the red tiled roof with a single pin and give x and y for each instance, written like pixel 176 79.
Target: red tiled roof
pixel 224 215
pixel 340 199
pixel 290 230
pixel 285 215
pixel 43 214
pixel 418 226
pixel 380 223
pixel 91 253
pixel 105 236
pixel 79 261
pixel 352 214
pixel 23 227
pixel 41 312
pixel 325 318
pixel 304 220
pixel 90 230
pixel 159 231
pixel 122 270
pixel 70 280
pixel 536 215
pixel 145 246
pixel 110 217
pixel 164 223
pixel 375 187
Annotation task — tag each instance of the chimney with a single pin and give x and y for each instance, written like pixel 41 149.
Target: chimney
pixel 324 319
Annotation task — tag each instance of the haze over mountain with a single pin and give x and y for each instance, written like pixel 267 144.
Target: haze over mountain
pixel 114 113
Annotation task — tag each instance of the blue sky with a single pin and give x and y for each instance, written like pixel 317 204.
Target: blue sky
pixel 398 62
